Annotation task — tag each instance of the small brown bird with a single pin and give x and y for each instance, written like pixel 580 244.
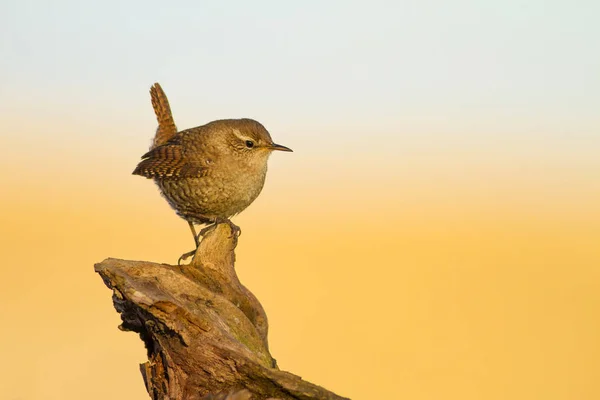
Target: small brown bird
pixel 209 173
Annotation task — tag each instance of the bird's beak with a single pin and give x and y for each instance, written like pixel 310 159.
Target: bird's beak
pixel 279 147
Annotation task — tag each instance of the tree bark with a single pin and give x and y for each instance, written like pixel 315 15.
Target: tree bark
pixel 206 334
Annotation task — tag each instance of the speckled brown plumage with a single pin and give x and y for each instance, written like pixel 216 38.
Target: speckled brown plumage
pixel 210 172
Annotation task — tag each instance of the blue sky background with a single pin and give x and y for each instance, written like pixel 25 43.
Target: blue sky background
pixel 334 64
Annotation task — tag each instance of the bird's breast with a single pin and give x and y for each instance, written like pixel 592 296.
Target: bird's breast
pixel 222 192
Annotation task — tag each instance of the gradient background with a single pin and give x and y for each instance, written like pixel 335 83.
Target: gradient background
pixel 435 234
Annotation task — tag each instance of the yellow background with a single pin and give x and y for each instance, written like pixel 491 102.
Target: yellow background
pixel 441 248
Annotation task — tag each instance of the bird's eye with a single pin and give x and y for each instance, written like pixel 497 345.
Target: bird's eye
pixel 249 144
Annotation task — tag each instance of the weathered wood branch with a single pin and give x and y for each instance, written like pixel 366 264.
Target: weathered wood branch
pixel 204 331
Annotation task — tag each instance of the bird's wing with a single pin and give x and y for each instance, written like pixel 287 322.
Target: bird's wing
pixel 169 161
pixel 166 125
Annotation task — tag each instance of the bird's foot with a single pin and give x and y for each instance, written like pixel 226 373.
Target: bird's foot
pixel 205 230
pixel 235 230
pixel 186 256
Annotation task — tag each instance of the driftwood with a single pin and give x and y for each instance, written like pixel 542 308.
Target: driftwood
pixel 206 334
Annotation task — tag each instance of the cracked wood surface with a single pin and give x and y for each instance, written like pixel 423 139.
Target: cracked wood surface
pixel 206 334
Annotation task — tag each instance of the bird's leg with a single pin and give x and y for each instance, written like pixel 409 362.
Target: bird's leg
pixel 197 236
pixel 234 228
pixel 196 240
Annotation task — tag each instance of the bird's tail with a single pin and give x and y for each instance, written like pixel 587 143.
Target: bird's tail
pixel 166 125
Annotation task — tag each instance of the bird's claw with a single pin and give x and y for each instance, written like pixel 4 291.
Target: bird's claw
pixel 185 256
pixel 235 230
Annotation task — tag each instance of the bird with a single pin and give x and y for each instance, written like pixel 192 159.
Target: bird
pixel 208 173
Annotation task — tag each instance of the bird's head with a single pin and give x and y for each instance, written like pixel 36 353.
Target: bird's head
pixel 249 140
